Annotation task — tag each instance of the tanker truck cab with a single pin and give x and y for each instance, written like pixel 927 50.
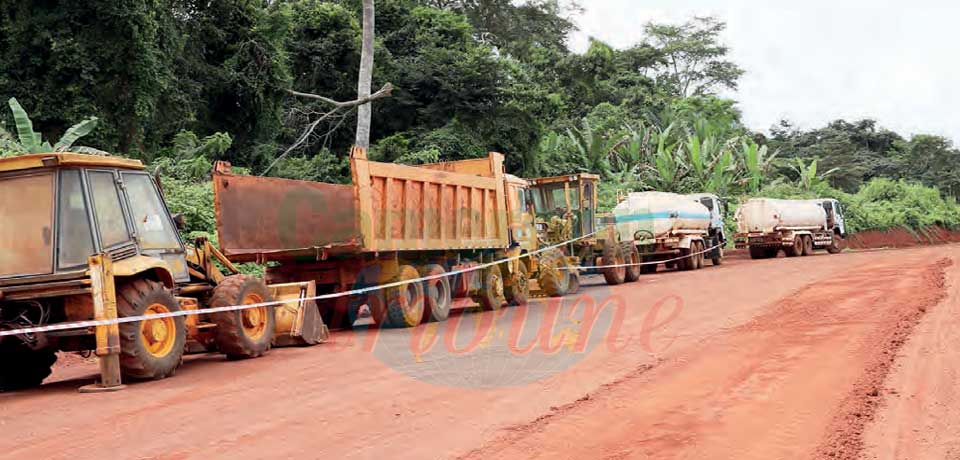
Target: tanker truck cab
pixel 717 208
pixel 835 219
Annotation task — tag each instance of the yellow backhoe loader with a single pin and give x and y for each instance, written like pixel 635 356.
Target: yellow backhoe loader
pixel 85 237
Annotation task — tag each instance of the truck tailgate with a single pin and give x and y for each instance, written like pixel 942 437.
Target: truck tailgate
pixel 279 218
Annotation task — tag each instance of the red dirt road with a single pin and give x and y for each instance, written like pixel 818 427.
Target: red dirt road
pixel 785 358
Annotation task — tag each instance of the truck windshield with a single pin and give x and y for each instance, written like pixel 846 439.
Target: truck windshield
pixel 551 199
pixel 26 235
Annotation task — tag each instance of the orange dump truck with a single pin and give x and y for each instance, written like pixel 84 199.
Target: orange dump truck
pixel 393 223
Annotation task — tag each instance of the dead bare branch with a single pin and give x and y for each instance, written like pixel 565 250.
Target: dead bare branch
pixel 382 93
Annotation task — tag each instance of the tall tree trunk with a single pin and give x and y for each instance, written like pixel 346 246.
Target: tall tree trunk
pixel 364 112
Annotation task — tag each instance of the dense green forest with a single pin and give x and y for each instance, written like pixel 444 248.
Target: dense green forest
pixel 181 83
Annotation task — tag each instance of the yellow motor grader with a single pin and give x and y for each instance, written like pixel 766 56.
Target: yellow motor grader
pixel 86 237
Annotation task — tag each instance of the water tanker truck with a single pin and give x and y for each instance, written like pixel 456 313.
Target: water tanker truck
pixel 798 227
pixel 394 223
pixel 675 229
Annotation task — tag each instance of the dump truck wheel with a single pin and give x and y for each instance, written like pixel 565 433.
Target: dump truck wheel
pixel 437 295
pixel 613 255
pixel 22 367
pixel 807 245
pixel 149 349
pixel 492 294
pixel 243 333
pixel 633 257
pixel 553 278
pixel 404 303
pixel 757 252
pixel 518 292
pixel 796 248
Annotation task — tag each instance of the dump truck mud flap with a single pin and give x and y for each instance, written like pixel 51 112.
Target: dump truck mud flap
pixel 298 320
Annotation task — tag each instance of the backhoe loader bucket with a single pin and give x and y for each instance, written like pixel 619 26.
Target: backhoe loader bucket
pixel 298 321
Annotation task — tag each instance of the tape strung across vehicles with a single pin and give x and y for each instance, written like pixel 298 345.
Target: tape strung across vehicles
pixel 638 264
pixel 202 311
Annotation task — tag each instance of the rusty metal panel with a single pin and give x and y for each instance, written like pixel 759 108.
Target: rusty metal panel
pixel 431 208
pixel 26 226
pixel 263 215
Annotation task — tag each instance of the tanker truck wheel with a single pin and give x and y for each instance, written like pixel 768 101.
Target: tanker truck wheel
pixel 807 245
pixel 717 252
pixel 518 292
pixel 699 257
pixel 553 277
pixel 613 255
pixel 437 295
pixel 244 333
pixel 22 367
pixel 836 245
pixel 796 248
pixel 758 252
pixel 687 261
pixel 153 348
pixel 633 257
pixel 404 303
pixel 492 294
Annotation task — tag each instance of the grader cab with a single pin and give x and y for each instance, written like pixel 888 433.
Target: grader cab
pixel 87 237
pixel 566 208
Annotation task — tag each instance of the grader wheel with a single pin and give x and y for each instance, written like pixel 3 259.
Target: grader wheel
pixel 149 349
pixel 633 257
pixel 553 278
pixel 613 255
pixel 244 333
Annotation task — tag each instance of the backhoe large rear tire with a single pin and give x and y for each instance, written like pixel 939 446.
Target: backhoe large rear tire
pixel 245 333
pixel 613 255
pixel 21 367
pixel 149 349
pixel 553 277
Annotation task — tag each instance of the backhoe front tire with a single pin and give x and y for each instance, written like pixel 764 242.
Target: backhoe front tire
pixel 22 367
pixel 248 333
pixel 149 349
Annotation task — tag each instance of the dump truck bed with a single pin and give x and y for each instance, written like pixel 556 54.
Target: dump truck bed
pixel 389 207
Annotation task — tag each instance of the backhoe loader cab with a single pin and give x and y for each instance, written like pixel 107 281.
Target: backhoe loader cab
pixel 60 209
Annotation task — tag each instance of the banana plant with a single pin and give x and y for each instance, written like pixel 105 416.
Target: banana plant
pixel 808 173
pixel 30 141
pixel 595 149
pixel 756 163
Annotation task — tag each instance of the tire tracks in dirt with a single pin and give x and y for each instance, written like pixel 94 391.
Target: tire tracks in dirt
pixel 801 381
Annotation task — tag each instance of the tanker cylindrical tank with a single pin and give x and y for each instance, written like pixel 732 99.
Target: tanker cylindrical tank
pixel 651 215
pixel 767 215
